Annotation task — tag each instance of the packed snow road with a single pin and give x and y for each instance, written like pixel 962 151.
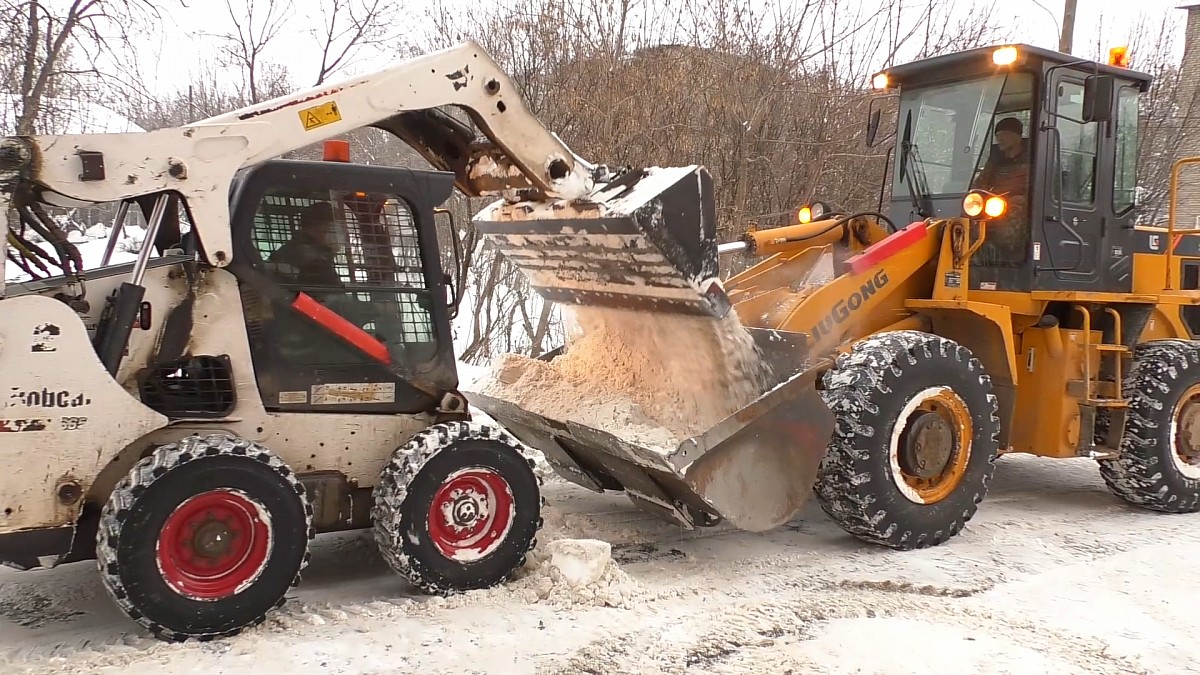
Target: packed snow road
pixel 1053 576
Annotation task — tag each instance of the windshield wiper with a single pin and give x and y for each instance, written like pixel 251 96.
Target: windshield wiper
pixel 912 172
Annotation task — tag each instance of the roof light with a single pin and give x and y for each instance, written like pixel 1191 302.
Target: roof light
pixel 880 81
pixel 1004 56
pixel 1119 57
pixel 336 151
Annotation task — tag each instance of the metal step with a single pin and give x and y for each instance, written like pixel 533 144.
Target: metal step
pixel 1106 402
pixel 1086 446
pixel 1100 390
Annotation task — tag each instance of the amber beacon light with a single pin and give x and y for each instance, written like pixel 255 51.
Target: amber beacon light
pixel 1119 57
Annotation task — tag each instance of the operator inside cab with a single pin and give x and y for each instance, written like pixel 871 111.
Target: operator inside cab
pixel 308 262
pixel 1007 168
pixel 1006 173
pixel 311 249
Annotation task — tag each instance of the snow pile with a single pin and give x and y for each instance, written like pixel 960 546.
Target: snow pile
pixel 570 572
pixel 469 374
pixel 541 467
pixel 563 573
pixel 651 379
pixel 578 562
pixel 544 388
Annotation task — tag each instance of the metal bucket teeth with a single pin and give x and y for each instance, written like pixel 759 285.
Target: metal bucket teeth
pixel 647 240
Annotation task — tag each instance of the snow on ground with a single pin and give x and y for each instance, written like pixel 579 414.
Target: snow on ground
pixel 469 374
pixel 1053 576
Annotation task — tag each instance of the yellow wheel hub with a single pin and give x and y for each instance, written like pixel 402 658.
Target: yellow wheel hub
pixel 931 445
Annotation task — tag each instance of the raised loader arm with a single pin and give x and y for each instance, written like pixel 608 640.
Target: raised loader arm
pixel 199 160
pixel 645 242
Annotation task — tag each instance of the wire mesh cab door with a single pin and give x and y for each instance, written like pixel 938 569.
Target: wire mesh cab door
pixel 342 286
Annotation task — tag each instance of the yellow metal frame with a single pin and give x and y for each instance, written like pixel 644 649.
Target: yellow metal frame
pixel 927 288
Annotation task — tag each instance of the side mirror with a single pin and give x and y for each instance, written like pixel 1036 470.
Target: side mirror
pixel 1098 94
pixel 448 286
pixel 455 285
pixel 873 127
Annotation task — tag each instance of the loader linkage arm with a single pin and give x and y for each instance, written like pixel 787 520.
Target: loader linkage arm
pixel 641 238
pixel 521 159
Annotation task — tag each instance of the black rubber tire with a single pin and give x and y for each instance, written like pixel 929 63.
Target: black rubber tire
pixel 132 519
pixel 407 488
pixel 1144 473
pixel 867 391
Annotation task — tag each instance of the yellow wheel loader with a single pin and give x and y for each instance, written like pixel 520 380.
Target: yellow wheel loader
pixel 1003 301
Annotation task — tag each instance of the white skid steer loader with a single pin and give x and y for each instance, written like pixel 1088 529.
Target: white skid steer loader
pixel 285 367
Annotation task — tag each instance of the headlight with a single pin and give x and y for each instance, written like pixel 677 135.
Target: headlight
pixel 804 215
pixel 818 209
pixel 973 204
pixel 995 206
pixel 880 81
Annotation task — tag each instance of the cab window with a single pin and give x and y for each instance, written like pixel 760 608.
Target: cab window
pixel 1076 183
pixel 357 254
pixel 1125 167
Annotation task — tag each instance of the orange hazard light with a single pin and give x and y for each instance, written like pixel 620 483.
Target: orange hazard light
pixel 337 151
pixel 1119 57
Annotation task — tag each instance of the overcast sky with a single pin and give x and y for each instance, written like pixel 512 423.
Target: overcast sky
pixel 1037 22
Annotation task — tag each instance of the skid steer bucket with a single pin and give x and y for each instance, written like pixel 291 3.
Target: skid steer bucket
pixel 646 240
pixel 755 469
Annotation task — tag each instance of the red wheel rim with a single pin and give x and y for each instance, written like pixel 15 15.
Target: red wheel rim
pixel 214 545
pixel 471 514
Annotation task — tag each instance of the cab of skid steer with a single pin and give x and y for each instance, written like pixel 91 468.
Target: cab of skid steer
pixel 339 270
pixel 355 320
pixel 1056 136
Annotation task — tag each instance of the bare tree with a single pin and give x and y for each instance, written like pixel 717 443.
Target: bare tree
pixel 36 61
pixel 769 95
pixel 1169 117
pixel 348 26
pixel 255 25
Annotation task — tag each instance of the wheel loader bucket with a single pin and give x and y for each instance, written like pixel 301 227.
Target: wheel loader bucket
pixel 755 469
pixel 646 240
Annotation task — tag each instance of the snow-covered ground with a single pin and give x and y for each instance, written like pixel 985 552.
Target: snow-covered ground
pixel 1053 576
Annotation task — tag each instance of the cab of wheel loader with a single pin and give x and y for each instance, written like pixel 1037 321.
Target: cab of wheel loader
pixel 1052 136
pixel 346 304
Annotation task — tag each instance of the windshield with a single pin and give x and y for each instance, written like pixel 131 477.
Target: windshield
pixel 952 130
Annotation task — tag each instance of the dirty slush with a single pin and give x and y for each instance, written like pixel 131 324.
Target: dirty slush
pixel 651 379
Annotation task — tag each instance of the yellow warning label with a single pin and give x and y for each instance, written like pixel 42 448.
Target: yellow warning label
pixel 320 115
